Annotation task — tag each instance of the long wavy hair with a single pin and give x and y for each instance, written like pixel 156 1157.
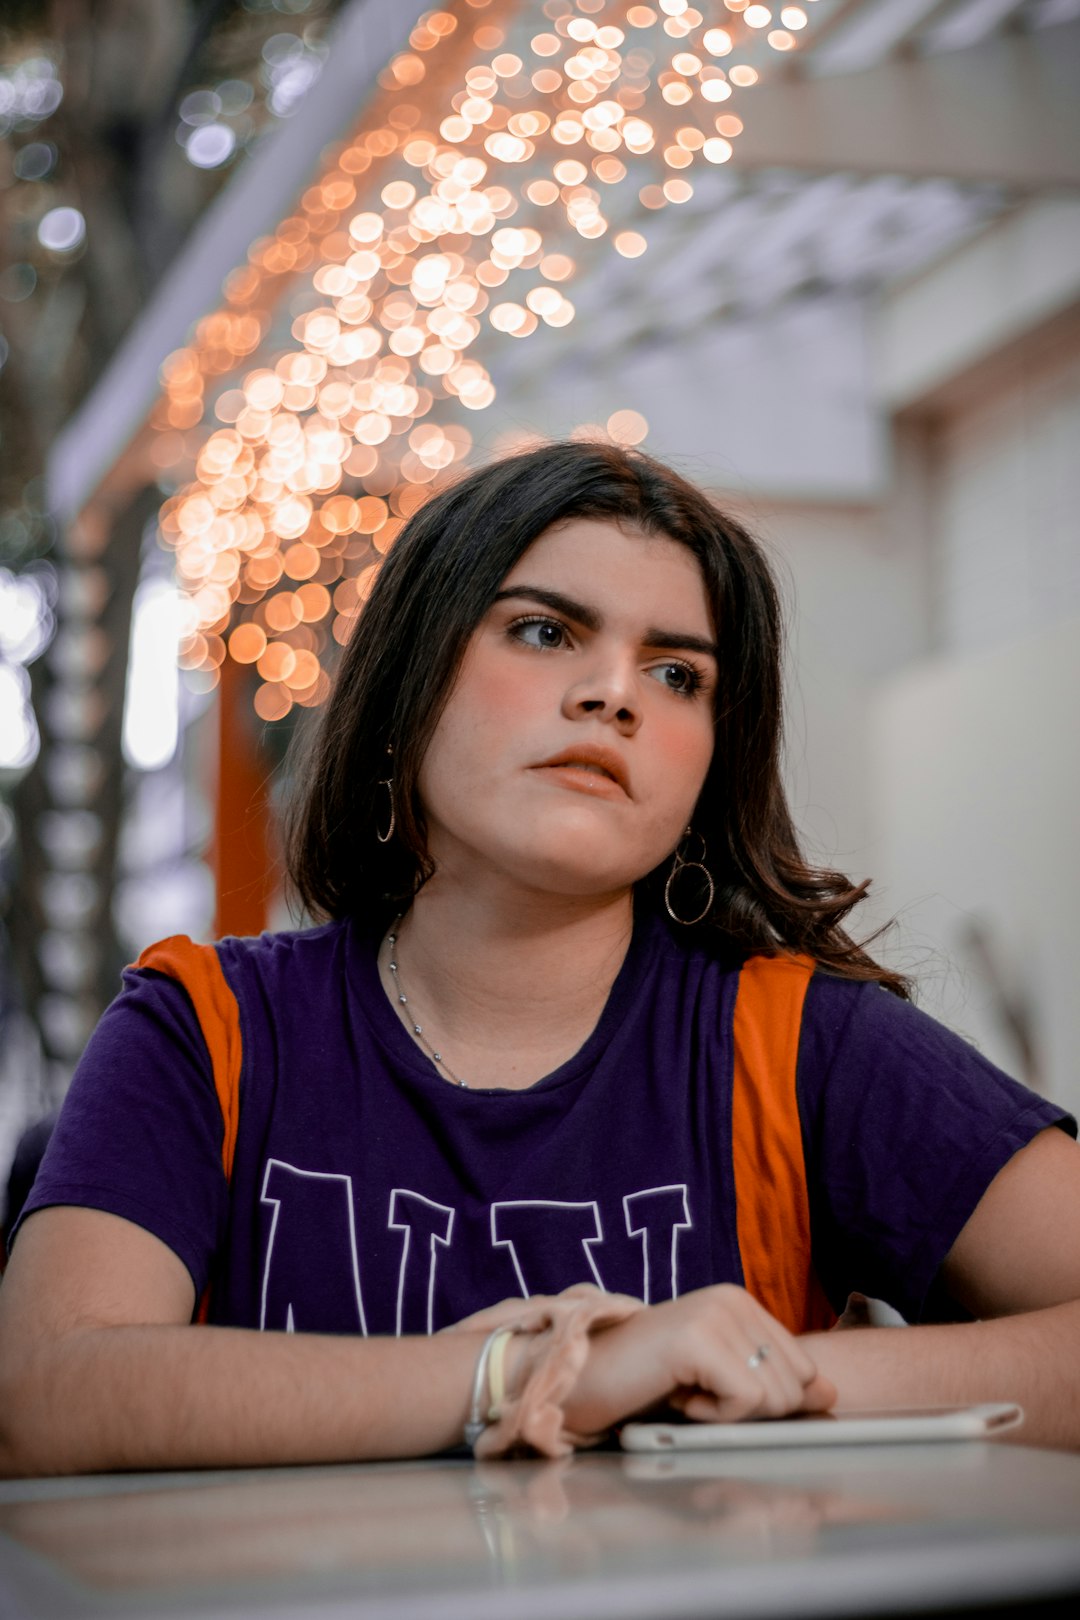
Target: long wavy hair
pixel 399 667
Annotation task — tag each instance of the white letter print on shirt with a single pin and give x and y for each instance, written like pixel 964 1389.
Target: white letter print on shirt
pixel 547 1240
pixel 312 1201
pixel 659 1214
pixel 411 1212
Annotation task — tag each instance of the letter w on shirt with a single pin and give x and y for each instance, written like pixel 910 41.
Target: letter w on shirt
pixel 550 1243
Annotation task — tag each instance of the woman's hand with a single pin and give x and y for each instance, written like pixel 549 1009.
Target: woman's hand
pixel 716 1354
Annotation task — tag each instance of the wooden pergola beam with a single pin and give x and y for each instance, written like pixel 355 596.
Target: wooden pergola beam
pixel 1004 112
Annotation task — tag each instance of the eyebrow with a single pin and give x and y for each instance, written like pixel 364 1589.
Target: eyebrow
pixel 663 640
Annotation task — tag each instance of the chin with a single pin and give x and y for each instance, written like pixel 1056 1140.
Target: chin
pixel 573 855
pixel 579 876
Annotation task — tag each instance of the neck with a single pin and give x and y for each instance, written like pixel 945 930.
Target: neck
pixel 509 986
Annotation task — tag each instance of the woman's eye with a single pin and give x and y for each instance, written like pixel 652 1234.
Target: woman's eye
pixel 544 633
pixel 681 678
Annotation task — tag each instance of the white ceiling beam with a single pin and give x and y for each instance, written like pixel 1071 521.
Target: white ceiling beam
pixel 631 302
pixel 863 35
pixel 969 23
pixel 1005 111
pixel 365 35
pixel 778 405
pixel 1015 277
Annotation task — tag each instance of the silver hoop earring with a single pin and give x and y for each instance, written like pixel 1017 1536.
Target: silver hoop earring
pixel 384 838
pixel 679 863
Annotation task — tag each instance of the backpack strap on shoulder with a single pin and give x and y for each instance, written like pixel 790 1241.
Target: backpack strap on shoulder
pixel 771 1198
pixel 198 968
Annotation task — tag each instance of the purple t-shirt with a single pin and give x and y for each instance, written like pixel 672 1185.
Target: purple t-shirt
pixel 370 1195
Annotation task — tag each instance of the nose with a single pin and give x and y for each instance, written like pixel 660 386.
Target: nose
pixel 607 691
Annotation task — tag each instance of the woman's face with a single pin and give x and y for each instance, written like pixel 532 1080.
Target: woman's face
pixel 576 740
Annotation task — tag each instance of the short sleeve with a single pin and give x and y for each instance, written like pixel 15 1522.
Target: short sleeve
pixel 905 1125
pixel 140 1131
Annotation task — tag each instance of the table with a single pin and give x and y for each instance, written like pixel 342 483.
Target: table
pixel 874 1530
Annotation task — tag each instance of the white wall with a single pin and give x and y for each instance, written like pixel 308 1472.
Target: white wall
pixel 853 581
pixel 1007 497
pixel 934 691
pixel 975 763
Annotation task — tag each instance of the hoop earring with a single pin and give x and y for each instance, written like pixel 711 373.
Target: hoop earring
pixel 679 864
pixel 384 838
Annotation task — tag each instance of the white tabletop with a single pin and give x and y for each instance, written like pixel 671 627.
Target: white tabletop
pixel 848 1531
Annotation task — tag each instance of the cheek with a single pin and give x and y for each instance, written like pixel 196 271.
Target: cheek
pixel 516 685
pixel 493 702
pixel 501 696
pixel 685 750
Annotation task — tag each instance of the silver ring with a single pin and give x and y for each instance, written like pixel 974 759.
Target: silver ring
pixel 760 1354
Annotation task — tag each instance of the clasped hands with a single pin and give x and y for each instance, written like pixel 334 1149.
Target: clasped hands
pixel 715 1354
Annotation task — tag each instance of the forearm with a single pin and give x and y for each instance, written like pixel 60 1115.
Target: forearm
pixel 1033 1359
pixel 160 1396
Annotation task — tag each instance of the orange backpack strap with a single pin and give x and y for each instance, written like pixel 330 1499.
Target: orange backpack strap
pixel 772 1204
pixel 198 969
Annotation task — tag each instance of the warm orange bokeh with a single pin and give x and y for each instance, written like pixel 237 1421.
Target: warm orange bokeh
pixel 438 218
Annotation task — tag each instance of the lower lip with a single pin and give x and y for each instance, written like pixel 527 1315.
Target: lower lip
pixel 579 780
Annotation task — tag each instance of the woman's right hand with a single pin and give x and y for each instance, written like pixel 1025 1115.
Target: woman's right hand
pixel 715 1354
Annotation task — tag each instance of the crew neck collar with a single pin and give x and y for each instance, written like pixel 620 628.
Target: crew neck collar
pixel 407 1058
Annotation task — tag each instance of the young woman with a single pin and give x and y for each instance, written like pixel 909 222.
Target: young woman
pixel 583 1035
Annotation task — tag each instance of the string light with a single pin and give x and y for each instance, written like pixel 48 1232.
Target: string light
pixel 441 220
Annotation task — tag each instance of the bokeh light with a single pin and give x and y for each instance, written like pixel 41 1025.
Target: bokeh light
pixel 151 702
pixel 26 620
pixel 498 153
pixel 62 230
pixel 210 145
pixel 18 729
pixel 35 160
pixel 627 427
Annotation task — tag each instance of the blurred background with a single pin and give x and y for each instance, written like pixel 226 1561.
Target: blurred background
pixel 273 270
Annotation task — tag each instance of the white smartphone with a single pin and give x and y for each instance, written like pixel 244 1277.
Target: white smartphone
pixel 818 1429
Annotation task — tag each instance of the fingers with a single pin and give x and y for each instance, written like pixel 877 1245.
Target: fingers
pixel 743 1363
pixel 716 1354
pixel 797 1383
pixel 781 1385
pixel 777 1337
pixel 775 1369
pixel 701 1406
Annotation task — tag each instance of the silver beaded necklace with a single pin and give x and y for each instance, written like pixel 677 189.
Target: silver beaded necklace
pixel 417 1029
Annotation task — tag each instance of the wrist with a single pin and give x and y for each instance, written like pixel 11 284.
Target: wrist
pixel 588 1406
pixel 543 1369
pixel 489 1386
pixel 521 1359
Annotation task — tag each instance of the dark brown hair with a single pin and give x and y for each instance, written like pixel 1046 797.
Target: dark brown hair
pixel 399 667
